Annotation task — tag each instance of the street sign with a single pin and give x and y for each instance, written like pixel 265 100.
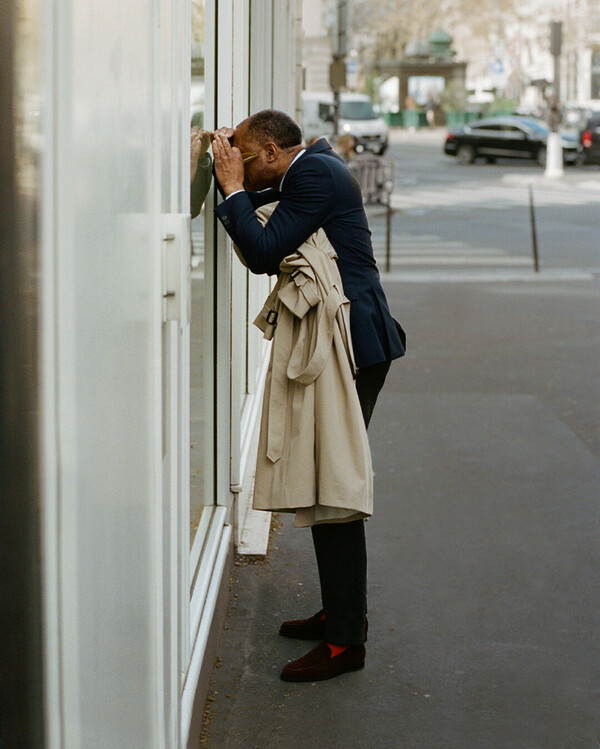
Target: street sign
pixel 337 75
pixel 555 38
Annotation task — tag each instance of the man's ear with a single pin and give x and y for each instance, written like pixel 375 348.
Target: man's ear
pixel 272 151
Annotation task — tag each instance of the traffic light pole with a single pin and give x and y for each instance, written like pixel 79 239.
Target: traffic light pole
pixel 338 67
pixel 555 51
pixel 554 153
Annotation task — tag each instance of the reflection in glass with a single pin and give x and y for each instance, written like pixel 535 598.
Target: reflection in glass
pixel 200 184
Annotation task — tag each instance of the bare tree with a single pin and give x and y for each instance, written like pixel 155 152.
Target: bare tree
pixel 395 23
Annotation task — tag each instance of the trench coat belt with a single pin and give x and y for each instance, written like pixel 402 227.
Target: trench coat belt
pixel 288 365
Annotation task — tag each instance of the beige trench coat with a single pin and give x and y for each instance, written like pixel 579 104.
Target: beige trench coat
pixel 313 449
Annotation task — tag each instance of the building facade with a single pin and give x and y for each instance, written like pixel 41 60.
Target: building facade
pixel 131 375
pixel 317 47
pixel 513 56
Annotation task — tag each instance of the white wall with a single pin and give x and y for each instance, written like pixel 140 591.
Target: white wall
pixel 102 407
pixel 125 646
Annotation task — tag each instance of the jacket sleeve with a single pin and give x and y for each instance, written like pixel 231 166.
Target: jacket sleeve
pixel 257 199
pixel 303 207
pixel 264 197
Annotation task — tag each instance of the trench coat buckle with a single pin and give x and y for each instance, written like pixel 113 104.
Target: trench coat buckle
pixel 272 316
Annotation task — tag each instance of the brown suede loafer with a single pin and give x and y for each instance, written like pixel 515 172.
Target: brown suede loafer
pixel 319 664
pixel 312 628
pixel 304 629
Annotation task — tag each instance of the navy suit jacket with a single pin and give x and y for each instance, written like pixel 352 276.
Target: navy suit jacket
pixel 319 191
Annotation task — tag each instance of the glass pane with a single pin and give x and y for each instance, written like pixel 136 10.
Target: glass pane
pixel 201 174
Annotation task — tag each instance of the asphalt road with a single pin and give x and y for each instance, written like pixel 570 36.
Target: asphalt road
pixel 484 547
pixel 471 227
pixel 486 206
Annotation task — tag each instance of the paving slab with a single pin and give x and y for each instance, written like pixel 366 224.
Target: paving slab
pixel 484 549
pixel 483 583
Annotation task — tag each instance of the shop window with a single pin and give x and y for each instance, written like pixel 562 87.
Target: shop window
pixel 200 331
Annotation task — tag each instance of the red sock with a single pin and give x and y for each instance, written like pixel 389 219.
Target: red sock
pixel 336 649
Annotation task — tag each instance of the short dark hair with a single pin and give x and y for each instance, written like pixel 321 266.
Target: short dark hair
pixel 273 125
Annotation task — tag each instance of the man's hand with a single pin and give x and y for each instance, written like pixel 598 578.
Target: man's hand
pixel 227 132
pixel 229 166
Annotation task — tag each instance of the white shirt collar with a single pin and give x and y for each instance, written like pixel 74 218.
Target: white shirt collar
pixel 287 170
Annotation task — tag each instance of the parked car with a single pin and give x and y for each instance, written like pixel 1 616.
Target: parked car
pixel 507 138
pixel 589 142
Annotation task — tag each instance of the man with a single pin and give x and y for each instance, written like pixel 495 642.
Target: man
pixel 263 161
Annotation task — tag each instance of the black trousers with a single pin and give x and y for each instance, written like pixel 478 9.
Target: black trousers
pixel 341 548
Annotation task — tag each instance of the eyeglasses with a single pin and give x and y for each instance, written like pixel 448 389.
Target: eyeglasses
pixel 249 156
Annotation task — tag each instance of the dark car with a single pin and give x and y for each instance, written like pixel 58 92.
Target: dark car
pixel 589 142
pixel 507 138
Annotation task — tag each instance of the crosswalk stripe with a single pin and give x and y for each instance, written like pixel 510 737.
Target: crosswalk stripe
pixel 431 254
pixel 496 197
pixel 486 276
pixel 471 260
pixel 429 258
pixel 407 250
pixel 411 242
pixel 425 238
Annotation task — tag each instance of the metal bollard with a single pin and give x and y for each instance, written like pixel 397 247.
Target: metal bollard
pixel 388 232
pixel 388 187
pixel 536 265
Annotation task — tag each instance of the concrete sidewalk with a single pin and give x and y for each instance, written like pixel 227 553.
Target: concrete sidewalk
pixel 484 551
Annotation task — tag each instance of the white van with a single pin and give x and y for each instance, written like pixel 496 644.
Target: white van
pixel 357 117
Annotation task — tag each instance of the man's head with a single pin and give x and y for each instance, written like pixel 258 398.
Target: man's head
pixel 276 139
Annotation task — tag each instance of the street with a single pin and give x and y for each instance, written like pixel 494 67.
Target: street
pixel 471 224
pixel 484 209
pixel 484 552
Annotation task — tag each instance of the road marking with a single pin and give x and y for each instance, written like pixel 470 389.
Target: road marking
pixel 410 250
pixel 464 195
pixel 428 258
pixel 473 259
pixel 498 276
pixel 429 249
